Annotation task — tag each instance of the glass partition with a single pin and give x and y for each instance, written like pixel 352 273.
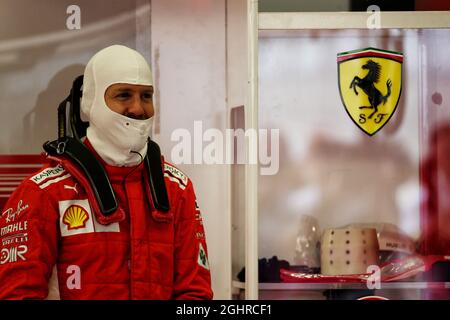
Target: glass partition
pixel 333 177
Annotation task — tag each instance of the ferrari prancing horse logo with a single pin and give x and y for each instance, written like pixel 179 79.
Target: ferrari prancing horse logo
pixel 370 83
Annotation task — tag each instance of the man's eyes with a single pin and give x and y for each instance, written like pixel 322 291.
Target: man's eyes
pixel 123 95
pixel 127 95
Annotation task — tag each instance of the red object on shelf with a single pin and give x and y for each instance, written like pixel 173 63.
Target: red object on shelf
pixel 435 206
pixel 373 298
pixel 14 169
pixel 392 271
pixel 295 277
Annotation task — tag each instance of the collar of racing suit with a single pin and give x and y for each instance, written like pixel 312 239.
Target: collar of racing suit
pixel 135 173
pixel 116 175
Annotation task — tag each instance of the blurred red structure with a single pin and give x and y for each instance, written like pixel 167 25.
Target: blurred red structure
pixel 435 207
pixel 13 170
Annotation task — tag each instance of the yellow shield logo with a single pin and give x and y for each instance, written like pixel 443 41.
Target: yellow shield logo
pixel 370 84
pixel 75 217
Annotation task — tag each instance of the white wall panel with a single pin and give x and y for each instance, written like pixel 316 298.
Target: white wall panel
pixel 189 57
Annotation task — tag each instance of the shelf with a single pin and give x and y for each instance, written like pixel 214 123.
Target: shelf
pixel 342 286
pixel 352 20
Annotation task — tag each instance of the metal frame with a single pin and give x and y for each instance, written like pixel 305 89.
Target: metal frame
pixel 353 20
pixel 251 170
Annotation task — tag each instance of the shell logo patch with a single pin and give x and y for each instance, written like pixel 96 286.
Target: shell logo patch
pixel 75 217
pixel 370 84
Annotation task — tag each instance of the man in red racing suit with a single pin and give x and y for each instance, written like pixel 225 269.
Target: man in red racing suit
pixel 54 246
pixel 48 221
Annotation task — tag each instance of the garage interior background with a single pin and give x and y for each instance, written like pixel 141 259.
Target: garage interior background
pixel 198 51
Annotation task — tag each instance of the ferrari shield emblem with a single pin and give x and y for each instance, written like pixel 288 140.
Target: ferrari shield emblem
pixel 370 83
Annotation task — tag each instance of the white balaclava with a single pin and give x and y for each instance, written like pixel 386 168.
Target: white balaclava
pixel 115 137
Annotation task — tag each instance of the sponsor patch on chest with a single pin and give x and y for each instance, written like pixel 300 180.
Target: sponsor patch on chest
pixel 76 217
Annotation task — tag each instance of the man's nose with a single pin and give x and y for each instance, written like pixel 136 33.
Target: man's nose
pixel 136 109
